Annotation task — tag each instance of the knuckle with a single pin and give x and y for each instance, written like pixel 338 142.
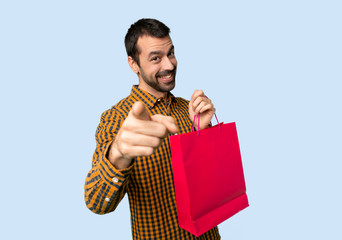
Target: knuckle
pixel 123 135
pixel 171 119
pixel 163 129
pixel 148 151
pixel 124 149
pixel 156 142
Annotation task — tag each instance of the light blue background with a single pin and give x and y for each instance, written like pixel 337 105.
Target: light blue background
pixel 274 67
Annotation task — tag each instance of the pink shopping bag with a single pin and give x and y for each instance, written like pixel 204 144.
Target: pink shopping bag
pixel 208 177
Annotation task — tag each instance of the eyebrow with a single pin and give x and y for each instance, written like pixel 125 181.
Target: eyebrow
pixel 160 52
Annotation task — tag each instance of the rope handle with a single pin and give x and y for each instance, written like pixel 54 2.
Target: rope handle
pixel 193 123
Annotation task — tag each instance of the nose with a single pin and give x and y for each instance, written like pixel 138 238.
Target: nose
pixel 168 64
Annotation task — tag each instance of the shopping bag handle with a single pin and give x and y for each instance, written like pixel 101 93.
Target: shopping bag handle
pixel 198 129
pixel 193 123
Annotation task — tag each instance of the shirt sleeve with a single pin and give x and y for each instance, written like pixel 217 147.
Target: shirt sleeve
pixel 105 186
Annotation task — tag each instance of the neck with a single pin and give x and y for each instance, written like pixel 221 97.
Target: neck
pixel 152 91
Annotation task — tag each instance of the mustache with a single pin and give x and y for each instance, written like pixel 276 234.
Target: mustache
pixel 163 73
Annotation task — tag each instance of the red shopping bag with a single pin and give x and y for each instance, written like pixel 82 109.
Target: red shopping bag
pixel 208 177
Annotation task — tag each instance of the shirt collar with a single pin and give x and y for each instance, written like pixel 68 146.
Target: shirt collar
pixel 148 99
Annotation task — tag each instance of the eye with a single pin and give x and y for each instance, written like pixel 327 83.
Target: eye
pixel 155 59
pixel 171 53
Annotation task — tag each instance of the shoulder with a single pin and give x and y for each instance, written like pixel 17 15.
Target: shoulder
pixel 119 110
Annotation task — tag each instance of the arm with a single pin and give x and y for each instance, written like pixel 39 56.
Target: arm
pixel 105 185
pixel 118 143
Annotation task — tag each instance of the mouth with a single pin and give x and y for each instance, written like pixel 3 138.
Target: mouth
pixel 166 77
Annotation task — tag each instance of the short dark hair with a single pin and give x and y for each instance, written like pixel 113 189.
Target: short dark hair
pixel 145 26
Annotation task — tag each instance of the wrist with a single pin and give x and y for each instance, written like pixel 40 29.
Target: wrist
pixel 117 159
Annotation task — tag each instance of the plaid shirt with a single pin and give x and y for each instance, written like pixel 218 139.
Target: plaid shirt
pixel 148 181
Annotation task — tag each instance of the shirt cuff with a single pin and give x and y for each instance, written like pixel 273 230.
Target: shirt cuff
pixel 109 173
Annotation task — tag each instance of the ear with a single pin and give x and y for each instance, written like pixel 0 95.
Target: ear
pixel 133 64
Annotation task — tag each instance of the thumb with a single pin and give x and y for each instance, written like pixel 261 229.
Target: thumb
pixel 140 112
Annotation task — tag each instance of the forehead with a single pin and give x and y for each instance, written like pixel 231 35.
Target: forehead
pixel 147 44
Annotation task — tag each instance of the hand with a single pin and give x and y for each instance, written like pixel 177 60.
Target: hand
pixel 199 103
pixel 139 135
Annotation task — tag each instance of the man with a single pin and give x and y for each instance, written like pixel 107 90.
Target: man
pixel 133 150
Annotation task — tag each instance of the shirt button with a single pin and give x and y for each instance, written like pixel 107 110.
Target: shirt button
pixel 158 100
pixel 115 180
pixel 107 199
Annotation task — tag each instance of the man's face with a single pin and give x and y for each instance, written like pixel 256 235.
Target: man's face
pixel 157 70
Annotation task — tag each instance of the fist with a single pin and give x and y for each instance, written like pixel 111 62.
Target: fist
pixel 139 135
pixel 200 104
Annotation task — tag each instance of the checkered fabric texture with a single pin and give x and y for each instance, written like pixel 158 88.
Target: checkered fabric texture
pixel 148 181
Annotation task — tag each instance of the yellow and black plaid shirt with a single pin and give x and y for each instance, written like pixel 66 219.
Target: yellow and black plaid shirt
pixel 148 182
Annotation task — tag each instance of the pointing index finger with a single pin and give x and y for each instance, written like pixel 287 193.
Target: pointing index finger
pixel 139 111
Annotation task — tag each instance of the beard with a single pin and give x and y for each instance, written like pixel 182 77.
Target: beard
pixel 157 85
